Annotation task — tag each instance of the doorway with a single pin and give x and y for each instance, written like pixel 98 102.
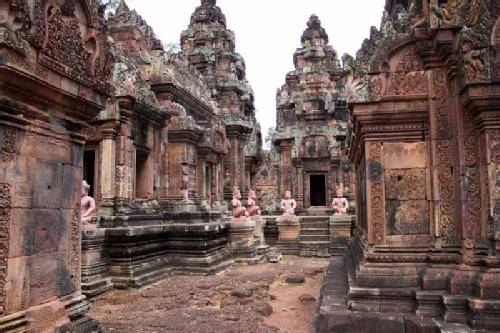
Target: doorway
pixel 89 160
pixel 318 190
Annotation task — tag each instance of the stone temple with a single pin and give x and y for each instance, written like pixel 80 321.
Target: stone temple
pixel 125 164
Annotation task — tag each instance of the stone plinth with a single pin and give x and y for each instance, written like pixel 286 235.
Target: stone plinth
pixel 95 269
pixel 243 242
pixel 260 241
pixel 340 233
pixel 271 232
pixel 135 256
pixel 289 230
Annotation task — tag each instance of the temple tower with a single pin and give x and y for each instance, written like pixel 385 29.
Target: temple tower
pixel 311 123
pixel 210 47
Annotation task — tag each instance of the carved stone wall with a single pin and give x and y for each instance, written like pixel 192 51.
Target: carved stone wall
pixel 5 216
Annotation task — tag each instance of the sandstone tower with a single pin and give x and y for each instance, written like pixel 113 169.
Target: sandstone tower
pixel 311 123
pixel 210 47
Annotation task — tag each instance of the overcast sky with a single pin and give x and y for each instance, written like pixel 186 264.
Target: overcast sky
pixel 268 32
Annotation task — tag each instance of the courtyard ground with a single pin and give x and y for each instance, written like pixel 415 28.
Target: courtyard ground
pixel 260 298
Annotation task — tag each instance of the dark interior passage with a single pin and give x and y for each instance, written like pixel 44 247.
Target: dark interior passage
pixel 318 190
pixel 89 169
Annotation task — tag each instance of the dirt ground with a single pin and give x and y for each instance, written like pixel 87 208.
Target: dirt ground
pixel 239 299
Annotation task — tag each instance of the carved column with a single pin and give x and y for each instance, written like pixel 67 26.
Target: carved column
pixel 444 197
pixel 285 149
pixel 300 186
pixel 107 149
pixel 375 193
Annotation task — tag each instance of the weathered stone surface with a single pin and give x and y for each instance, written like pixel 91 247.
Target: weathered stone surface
pixel 311 124
pixel 295 278
pixel 418 145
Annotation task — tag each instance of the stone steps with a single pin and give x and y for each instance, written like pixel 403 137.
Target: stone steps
pixel 314 238
pixel 315 231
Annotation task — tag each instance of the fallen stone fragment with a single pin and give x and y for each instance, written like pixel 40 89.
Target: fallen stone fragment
pixel 263 308
pixel 295 278
pixel 274 257
pixel 245 291
pixel 307 299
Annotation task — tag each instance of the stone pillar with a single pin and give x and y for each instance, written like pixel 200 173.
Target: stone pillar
pixel 289 231
pixel 340 233
pixel 285 149
pixel 444 194
pixel 108 171
pixel 300 186
pixel 375 193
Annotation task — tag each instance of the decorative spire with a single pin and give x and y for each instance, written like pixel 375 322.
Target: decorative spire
pixel 208 2
pixel 315 34
pixel 208 12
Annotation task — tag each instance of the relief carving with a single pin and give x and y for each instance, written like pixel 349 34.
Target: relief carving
pixel 473 203
pixel 405 184
pixel 408 217
pixel 444 153
pixel 5 210
pixel 75 245
pixel 70 44
pixel 7 144
pixel 409 77
pixel 377 192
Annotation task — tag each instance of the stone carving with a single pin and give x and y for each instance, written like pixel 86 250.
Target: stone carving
pixel 76 220
pixel 87 204
pixel 314 147
pixel 5 209
pixel 288 204
pixel 238 210
pixel 474 63
pixel 185 181
pixel 377 192
pixel 408 217
pixel 8 144
pixel 253 209
pixel 445 177
pixel 83 57
pixel 405 184
pixel 409 77
pixel 340 205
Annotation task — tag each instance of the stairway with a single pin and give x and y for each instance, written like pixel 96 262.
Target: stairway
pixel 314 238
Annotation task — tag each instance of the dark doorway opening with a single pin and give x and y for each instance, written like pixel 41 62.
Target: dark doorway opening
pixel 318 190
pixel 89 169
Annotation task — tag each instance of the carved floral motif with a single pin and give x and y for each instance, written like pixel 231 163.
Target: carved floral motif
pixel 8 144
pixel 377 192
pixel 71 46
pixel 405 184
pixel 75 245
pixel 5 208
pixel 444 169
pixel 409 77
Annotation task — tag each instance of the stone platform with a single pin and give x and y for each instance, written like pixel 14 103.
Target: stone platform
pixel 351 302
pixel 135 256
pixel 335 315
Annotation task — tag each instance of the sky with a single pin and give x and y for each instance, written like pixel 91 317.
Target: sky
pixel 268 33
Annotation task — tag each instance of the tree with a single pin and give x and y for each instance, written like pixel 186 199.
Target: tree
pixel 269 137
